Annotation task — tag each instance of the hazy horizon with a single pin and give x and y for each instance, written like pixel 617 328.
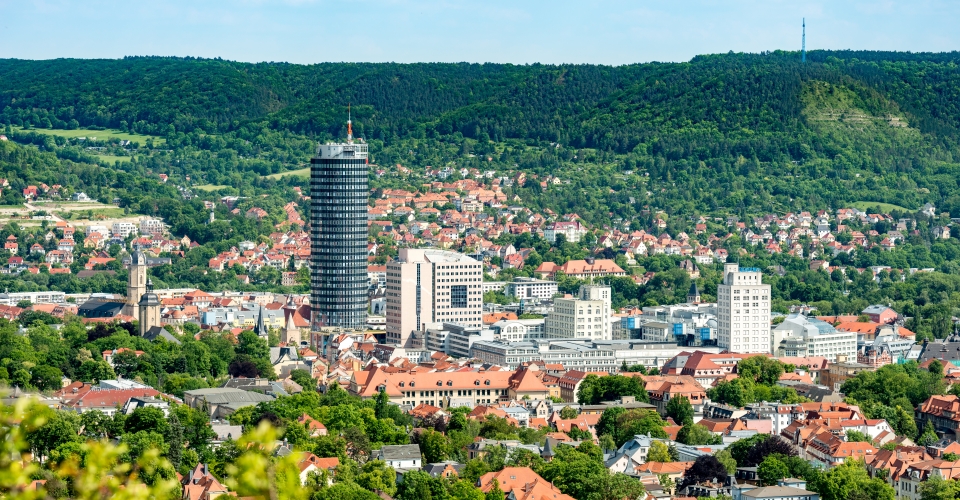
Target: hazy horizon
pixel 406 31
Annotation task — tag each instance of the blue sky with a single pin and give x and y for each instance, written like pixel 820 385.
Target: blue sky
pixel 518 31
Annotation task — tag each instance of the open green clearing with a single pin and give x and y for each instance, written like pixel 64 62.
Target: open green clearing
pixel 210 187
pixel 303 172
pixel 106 213
pixel 100 135
pixel 110 159
pixel 886 207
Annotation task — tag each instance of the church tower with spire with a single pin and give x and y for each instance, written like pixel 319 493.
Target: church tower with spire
pixel 149 310
pixel 693 296
pixel 261 328
pixel 290 334
pixel 136 282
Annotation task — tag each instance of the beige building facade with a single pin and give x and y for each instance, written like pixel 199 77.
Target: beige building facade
pixel 743 311
pixel 426 287
pixel 586 316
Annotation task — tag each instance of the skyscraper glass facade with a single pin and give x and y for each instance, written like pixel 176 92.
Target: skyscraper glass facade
pixel 338 235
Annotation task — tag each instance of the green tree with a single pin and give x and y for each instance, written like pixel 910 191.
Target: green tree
pixel 376 475
pixel 726 458
pixel 148 419
pixel 381 403
pixel 680 409
pixel 418 485
pixel 175 440
pixel 46 378
pixel 495 493
pixel 60 428
pixel 850 480
pixel 937 488
pixel 633 422
pixel 761 369
pixel 617 486
pixel 695 434
pixel 578 434
pixel 94 371
pixel 858 437
pixel 568 413
pixel 607 443
pixel 658 452
pixel 141 442
pixel 929 436
pixel 771 470
pixel 249 344
pixel 433 446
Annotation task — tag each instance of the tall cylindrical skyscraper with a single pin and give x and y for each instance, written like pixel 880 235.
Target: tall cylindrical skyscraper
pixel 338 235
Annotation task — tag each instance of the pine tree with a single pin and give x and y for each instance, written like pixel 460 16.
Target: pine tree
pixel 380 409
pixel 174 438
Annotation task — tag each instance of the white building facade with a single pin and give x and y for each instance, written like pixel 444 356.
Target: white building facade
pixel 585 317
pixel 743 311
pixel 802 336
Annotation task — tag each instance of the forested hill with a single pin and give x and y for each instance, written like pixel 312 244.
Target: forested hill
pixel 720 131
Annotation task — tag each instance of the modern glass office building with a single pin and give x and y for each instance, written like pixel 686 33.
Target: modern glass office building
pixel 338 235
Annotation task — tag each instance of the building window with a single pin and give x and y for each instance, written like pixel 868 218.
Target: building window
pixel 458 296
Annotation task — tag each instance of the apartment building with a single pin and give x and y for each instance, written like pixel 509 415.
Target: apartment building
pixel 151 226
pixel 448 389
pixel 572 231
pixel 426 286
pixel 13 298
pixel 124 229
pixel 743 310
pixel 585 317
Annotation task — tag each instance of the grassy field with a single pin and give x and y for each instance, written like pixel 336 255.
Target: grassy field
pixel 112 159
pixel 303 172
pixel 886 207
pixel 210 187
pixel 96 213
pixel 100 135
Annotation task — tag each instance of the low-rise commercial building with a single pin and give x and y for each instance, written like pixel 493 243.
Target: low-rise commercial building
pixel 589 355
pixel 529 288
pixel 801 336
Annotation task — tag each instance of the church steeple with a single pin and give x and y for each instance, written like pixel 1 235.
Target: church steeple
pixel 693 296
pixel 261 329
pixel 291 334
pixel 149 309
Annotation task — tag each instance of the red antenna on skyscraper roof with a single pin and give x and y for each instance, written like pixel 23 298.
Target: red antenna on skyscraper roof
pixel 349 125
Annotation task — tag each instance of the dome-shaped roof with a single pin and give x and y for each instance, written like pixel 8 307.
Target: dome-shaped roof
pixel 177 315
pixel 137 258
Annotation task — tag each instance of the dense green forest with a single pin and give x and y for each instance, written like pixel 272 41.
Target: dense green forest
pixel 734 132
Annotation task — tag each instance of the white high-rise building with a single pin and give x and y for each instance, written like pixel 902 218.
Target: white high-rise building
pixel 743 310
pixel 426 287
pixel 585 317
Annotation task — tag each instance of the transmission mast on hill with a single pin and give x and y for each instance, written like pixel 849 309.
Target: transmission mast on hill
pixel 803 42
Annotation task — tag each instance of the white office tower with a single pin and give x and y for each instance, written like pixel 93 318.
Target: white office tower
pixel 427 287
pixel 743 308
pixel 584 317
